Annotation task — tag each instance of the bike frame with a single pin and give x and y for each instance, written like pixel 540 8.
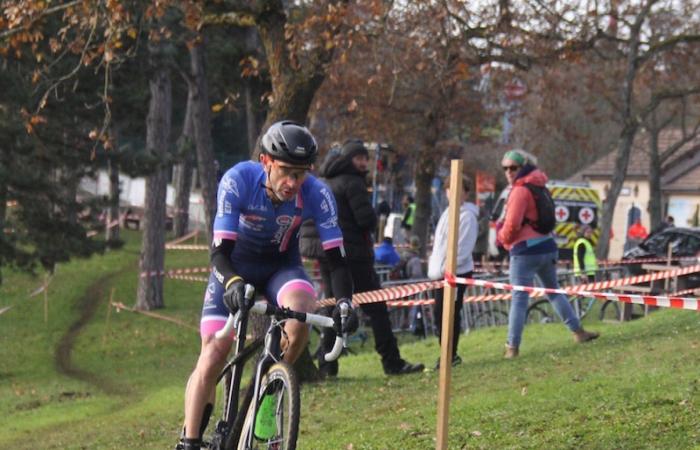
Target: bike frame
pixel 232 373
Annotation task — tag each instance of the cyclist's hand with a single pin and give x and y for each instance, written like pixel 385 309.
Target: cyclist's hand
pixel 234 297
pixel 352 322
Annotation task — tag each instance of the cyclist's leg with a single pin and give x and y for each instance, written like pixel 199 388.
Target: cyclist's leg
pixel 291 288
pixel 212 358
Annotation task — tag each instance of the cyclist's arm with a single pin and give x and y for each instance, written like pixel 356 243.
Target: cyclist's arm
pixel 220 258
pixel 341 279
pixel 232 193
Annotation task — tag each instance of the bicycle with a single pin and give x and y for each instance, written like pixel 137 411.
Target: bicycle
pixel 272 378
pixel 542 311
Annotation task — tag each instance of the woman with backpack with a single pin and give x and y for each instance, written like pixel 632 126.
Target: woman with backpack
pixel 525 233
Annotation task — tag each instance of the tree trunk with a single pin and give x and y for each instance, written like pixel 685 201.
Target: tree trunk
pixel 112 232
pixel 425 172
pixel 621 162
pixel 655 199
pixel 183 171
pixel 252 130
pixel 150 289
pixel 251 127
pixel 202 135
pixel 3 212
pixel 624 143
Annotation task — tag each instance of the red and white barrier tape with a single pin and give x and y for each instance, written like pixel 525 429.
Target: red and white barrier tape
pixel 172 273
pixel 685 292
pixel 398 292
pixel 189 278
pixel 409 303
pixel 597 286
pixel 187 247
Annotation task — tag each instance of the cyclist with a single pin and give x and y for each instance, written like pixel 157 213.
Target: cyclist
pixel 260 206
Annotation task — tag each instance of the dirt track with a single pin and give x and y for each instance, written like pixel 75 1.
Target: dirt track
pixel 87 305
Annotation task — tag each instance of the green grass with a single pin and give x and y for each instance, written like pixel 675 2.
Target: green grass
pixel 636 387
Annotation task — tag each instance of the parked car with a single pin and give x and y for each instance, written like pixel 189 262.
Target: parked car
pixel 684 242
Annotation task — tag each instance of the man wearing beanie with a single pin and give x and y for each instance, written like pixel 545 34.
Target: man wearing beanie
pixel 346 173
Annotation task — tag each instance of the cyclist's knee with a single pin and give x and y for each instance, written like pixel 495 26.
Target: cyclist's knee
pixel 298 300
pixel 212 358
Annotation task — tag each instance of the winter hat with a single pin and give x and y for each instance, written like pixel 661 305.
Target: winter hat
pixel 354 147
pixel 521 157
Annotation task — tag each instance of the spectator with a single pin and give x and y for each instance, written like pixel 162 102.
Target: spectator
pixel 468 229
pixel 668 222
pixel 386 254
pixel 636 233
pixel 585 263
pixel 410 268
pixel 531 253
pixel 345 174
pixel 482 238
pixel 409 214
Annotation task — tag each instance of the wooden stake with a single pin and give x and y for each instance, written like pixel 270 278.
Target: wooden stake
pixel 46 299
pixel 448 306
pixel 109 313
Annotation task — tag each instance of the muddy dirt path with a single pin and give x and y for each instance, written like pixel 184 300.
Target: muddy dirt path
pixel 94 297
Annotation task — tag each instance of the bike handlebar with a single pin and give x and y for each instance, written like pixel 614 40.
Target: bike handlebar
pixel 264 308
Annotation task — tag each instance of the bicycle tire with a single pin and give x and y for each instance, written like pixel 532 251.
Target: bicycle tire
pixel 585 304
pixel 541 311
pixel 492 318
pixel 280 380
pixel 610 311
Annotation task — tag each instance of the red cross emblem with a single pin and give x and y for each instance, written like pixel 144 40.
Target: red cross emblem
pixel 562 213
pixel 586 215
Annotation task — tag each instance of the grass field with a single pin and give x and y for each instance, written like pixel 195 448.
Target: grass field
pixel 82 378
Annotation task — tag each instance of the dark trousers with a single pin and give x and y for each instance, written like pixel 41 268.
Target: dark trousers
pixel 365 279
pixel 457 323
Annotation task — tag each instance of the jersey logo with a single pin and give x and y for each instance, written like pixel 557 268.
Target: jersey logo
pixel 230 185
pixel 330 223
pixel 284 223
pixel 253 222
pixel 209 295
pixel 329 198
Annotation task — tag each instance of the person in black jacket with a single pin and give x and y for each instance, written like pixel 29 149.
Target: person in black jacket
pixel 345 174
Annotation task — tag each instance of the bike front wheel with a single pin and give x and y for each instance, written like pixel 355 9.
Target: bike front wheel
pixel 541 311
pixel 281 388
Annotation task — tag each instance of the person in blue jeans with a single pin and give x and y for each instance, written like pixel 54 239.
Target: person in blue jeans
pixel 532 254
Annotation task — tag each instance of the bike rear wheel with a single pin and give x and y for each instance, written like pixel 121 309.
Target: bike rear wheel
pixel 281 383
pixel 541 311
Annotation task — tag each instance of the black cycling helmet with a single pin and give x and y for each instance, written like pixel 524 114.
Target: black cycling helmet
pixel 290 142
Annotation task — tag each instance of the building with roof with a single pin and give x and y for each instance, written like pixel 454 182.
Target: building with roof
pixel 680 184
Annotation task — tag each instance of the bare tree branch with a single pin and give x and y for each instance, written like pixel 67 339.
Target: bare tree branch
pixel 44 13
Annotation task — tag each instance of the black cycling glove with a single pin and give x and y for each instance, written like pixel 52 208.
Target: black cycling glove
pixel 234 297
pixel 352 322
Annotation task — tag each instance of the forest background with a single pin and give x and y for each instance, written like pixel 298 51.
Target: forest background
pixel 159 88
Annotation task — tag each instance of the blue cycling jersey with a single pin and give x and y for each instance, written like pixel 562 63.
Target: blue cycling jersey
pixel 246 214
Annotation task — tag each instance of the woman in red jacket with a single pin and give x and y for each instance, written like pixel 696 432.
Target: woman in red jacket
pixel 532 254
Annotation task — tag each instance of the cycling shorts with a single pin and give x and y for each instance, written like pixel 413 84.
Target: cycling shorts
pixel 271 280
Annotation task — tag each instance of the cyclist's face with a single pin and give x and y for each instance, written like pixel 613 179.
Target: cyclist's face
pixel 285 179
